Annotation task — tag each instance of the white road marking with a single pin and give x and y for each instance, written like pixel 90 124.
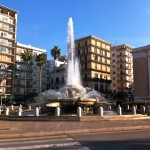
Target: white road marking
pixel 42 146
pixel 35 141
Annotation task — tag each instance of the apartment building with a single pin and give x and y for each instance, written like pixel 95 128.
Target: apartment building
pixel 58 74
pixel 121 68
pixel 94 56
pixel 32 71
pixel 8 21
pixel 141 69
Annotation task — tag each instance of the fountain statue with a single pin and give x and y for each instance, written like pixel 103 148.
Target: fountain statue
pixel 73 93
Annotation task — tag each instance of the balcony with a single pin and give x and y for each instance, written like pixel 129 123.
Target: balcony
pixel 6 68
pixel 108 81
pixel 8 29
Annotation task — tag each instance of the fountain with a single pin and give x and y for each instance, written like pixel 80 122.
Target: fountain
pixel 73 94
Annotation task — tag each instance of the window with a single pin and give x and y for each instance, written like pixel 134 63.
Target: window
pixel 96 75
pixel 96 58
pixel 101 87
pixel 57 80
pixel 28 83
pixel 2 49
pixel 34 82
pixel 114 78
pixel 85 43
pixel 85 50
pixel 34 68
pixel 17 90
pixel 78 52
pixel 96 87
pixel 28 68
pixel 3 34
pixel 5 19
pixel 2 41
pixel 101 76
pixel 95 50
pixel 28 76
pixel 113 55
pixel 18 66
pixel 10 43
pixel 34 90
pixel 34 53
pixel 106 88
pixel 85 65
pixel 95 65
pixel 85 75
pixel 78 44
pixel 9 51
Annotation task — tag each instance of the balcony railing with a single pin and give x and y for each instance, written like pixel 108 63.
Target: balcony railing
pixel 97 80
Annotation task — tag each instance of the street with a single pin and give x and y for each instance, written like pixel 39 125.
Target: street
pixel 136 140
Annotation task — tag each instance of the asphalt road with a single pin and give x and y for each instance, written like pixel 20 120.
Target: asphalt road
pixel 136 140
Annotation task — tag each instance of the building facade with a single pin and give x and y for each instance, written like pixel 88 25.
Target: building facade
pixel 121 68
pixel 58 73
pixel 141 68
pixel 32 71
pixel 94 56
pixel 8 23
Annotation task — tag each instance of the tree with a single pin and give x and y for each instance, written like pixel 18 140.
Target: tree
pixel 55 52
pixel 41 61
pixel 26 56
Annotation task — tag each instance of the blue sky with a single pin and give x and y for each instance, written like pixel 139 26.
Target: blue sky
pixel 43 23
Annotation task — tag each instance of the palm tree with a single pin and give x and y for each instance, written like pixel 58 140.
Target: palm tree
pixel 26 56
pixel 55 52
pixel 41 61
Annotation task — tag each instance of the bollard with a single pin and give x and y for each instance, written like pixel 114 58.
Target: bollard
pixel 128 107
pixel 19 111
pixel 7 111
pixel 12 107
pixel 57 111
pixel 142 109
pixel 148 110
pixel 119 110
pixel 79 111
pixel 37 111
pixel 134 110
pixel 29 108
pixel 110 107
pixel 0 110
pixel 100 111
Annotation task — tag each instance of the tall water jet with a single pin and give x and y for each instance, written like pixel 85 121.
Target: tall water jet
pixel 73 70
pixel 73 94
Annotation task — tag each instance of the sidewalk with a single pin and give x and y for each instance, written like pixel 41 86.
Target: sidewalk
pixel 22 129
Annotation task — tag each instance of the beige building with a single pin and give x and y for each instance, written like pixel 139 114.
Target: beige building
pixel 121 68
pixel 141 68
pixel 32 71
pixel 8 21
pixel 94 56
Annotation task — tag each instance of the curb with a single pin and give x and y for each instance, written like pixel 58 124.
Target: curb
pixel 56 133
